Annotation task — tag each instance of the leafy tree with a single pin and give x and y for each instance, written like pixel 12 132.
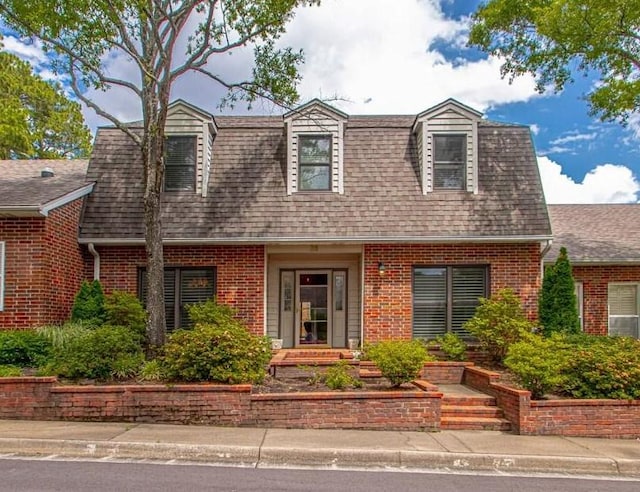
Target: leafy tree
pixel 553 38
pixel 164 39
pixel 557 305
pixel 37 120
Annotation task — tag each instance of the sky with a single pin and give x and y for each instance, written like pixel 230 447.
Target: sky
pixel 402 57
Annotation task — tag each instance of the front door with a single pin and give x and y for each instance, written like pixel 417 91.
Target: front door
pixel 313 313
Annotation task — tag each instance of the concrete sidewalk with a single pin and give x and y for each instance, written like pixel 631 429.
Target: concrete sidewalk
pixel 446 450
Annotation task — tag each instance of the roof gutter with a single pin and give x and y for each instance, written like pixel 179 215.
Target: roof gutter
pixel 544 251
pixel 317 240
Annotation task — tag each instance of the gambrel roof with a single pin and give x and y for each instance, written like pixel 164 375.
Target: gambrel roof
pixel 247 200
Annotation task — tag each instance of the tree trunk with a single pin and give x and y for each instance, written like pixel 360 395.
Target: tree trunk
pixel 156 324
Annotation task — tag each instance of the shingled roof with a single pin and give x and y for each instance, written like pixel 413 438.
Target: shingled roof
pixel 247 198
pixel 23 191
pixel 596 233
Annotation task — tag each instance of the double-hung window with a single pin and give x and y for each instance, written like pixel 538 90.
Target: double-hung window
pixel 444 298
pixel 449 162
pixel 2 275
pixel 180 164
pixel 182 286
pixel 314 162
pixel 623 310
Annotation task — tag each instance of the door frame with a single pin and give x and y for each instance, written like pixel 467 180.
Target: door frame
pixel 298 327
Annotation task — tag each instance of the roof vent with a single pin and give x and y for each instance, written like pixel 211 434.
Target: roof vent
pixel 47 172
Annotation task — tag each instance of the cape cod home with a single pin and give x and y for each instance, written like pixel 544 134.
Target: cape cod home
pixel 319 227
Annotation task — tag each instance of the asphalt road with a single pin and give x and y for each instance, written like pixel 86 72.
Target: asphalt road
pixel 44 475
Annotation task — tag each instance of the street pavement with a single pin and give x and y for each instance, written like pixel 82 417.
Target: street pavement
pixel 462 451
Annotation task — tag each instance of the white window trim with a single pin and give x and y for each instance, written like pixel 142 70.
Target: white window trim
pixel 2 274
pixel 609 315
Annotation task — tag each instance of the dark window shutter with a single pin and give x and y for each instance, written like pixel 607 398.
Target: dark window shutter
pixel 170 298
pixel 468 284
pixel 429 302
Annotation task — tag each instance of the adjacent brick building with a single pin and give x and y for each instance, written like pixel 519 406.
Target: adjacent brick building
pixel 41 263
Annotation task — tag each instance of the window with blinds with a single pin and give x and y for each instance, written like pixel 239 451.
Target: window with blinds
pixel 182 286
pixel 444 298
pixel 180 164
pixel 623 310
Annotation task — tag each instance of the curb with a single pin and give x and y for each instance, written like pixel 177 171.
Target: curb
pixel 276 457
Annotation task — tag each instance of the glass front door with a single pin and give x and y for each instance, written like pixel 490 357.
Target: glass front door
pixel 314 326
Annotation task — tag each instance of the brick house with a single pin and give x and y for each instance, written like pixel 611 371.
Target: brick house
pixel 321 227
pixel 41 262
pixel 603 242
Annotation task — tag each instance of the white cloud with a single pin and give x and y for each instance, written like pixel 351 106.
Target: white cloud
pixel 606 183
pixel 29 51
pixel 382 52
pixel 574 137
pixel 535 129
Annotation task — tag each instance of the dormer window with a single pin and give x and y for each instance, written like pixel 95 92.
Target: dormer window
pixel 449 162
pixel 314 161
pixel 180 163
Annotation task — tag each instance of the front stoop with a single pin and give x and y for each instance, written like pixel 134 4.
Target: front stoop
pixel 472 413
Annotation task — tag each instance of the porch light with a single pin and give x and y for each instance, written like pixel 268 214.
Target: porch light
pixel 381 269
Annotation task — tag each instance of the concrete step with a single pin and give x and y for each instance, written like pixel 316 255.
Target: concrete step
pixel 474 423
pixel 464 400
pixel 472 411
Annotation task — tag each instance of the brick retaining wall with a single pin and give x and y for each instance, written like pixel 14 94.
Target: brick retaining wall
pixel 577 418
pixel 393 410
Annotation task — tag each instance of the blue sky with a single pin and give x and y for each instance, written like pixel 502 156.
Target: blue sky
pixel 403 56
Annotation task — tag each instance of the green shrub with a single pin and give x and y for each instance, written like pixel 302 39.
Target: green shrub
pixel 211 313
pixel 104 353
pixel 151 371
pixel 605 367
pixel 125 309
pixel 59 336
pixel 88 305
pixel 224 353
pixel 338 377
pixel 538 363
pixel 23 348
pixel 557 305
pixel 399 361
pixel 9 371
pixel 498 323
pixel 452 346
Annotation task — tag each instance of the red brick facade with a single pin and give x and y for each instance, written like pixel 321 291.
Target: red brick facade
pixel 239 273
pixel 43 267
pixel 388 298
pixel 595 284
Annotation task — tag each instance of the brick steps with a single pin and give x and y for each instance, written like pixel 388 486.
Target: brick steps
pixel 472 413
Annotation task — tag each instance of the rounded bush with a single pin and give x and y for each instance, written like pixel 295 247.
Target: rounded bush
pixel 225 353
pixel 399 361
pixel 23 348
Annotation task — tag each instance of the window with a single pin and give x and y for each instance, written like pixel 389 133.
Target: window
pixel 314 162
pixel 623 310
pixel 579 291
pixel 182 286
pixel 444 298
pixel 1 276
pixel 449 162
pixel 180 164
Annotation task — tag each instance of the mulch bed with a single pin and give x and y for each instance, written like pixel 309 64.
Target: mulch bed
pixel 302 385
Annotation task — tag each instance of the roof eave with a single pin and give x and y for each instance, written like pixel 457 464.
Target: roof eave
pixel 316 240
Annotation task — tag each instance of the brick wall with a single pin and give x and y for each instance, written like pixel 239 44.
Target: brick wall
pixel 596 281
pixel 388 298
pixel 43 267
pixel 239 273
pixel 393 410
